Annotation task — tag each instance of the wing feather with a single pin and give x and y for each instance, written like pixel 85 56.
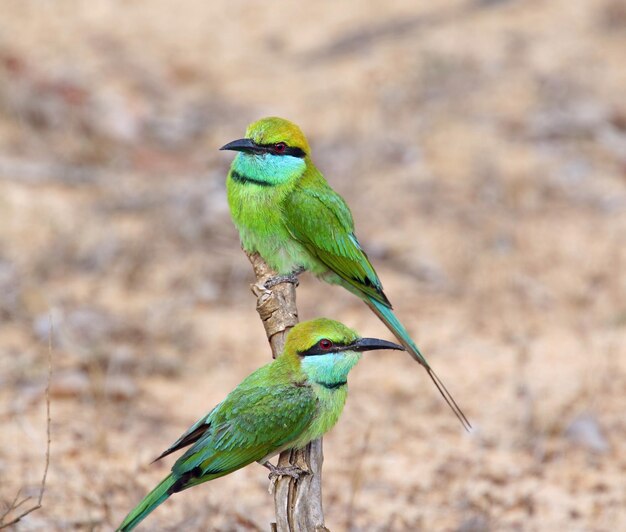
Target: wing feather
pixel 250 424
pixel 321 221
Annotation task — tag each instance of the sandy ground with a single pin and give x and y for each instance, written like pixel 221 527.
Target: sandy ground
pixel 482 148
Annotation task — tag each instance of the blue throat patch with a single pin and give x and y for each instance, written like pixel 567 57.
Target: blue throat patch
pixel 266 170
pixel 331 370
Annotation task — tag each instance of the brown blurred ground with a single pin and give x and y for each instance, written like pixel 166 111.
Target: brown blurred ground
pixel 482 148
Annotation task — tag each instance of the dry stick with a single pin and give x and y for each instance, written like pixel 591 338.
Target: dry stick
pixel 298 503
pixel 42 488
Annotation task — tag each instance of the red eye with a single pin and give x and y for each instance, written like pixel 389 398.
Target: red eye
pixel 325 344
pixel 280 147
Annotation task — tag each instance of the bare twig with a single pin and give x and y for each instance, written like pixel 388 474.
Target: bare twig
pixel 298 503
pixel 14 505
pixel 42 487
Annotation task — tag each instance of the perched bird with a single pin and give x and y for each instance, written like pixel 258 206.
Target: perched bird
pixel 286 404
pixel 285 210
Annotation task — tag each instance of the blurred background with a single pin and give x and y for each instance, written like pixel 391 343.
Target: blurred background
pixel 481 145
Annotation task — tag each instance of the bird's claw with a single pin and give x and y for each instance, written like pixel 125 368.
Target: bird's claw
pixel 276 472
pixel 278 279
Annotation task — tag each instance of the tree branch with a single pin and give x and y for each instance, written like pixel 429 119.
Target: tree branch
pixel 298 503
pixel 42 487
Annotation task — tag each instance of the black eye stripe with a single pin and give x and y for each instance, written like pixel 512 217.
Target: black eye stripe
pixel 295 152
pixel 289 150
pixel 317 350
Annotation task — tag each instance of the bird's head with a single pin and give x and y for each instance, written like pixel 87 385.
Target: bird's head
pixel 273 152
pixel 327 350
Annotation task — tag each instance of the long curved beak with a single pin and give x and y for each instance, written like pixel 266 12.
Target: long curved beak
pixel 245 145
pixel 372 344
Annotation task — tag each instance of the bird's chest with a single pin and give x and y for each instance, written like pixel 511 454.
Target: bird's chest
pixel 330 406
pixel 255 210
pixel 258 217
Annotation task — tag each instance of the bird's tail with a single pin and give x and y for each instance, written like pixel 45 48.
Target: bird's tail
pixel 147 505
pixel 390 320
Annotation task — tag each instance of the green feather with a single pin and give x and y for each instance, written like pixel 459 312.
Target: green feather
pixel 318 218
pixel 147 505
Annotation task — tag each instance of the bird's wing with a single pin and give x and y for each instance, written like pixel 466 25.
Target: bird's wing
pixel 321 221
pixel 251 423
pixel 200 427
pixel 192 435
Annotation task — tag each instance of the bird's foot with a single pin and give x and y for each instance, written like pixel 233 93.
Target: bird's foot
pixel 292 471
pixel 278 279
pixel 277 472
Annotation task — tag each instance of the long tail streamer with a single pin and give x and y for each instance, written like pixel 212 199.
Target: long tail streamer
pixel 389 319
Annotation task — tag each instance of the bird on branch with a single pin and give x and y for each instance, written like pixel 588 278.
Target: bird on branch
pixel 285 404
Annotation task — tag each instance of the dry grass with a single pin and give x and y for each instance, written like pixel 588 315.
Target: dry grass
pixel 482 148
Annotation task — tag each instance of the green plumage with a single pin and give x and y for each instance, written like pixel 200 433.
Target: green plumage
pixel 149 503
pixel 285 404
pixel 295 220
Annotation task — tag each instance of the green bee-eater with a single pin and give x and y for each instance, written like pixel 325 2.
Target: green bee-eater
pixel 286 404
pixel 285 210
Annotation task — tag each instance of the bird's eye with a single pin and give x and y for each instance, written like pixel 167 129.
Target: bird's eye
pixel 280 147
pixel 325 344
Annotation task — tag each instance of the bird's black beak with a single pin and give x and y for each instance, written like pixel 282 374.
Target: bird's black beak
pixel 244 145
pixel 371 344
